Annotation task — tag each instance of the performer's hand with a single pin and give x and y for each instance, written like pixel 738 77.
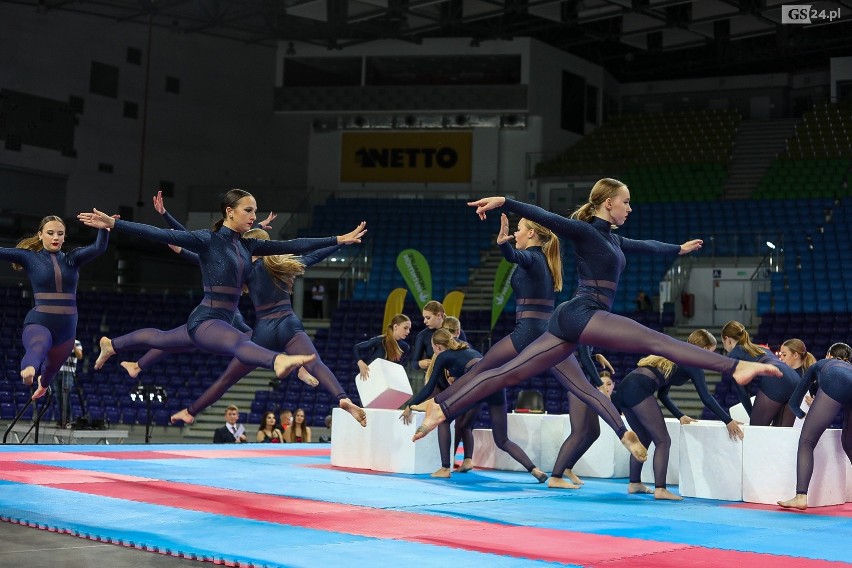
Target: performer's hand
pixel 809 400
pixel 353 236
pixel 691 246
pixel 266 224
pixel 97 219
pixel 406 415
pixel 159 207
pixel 175 248
pixel 364 370
pixel 687 419
pixel 487 204
pixel 734 431
pixel 604 363
pixel 504 236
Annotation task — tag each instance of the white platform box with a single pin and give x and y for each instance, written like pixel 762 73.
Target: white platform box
pixel 848 481
pixel 769 467
pixel 672 471
pixel 524 429
pixel 384 445
pixel 606 458
pixel 388 386
pixel 350 442
pixel 710 463
pixel 738 412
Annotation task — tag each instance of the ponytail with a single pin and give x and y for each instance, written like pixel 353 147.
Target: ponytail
pixel 737 331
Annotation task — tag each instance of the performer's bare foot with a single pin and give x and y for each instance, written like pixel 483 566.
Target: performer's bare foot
pixel 466 465
pixel 573 477
pixel 132 367
pixel 27 375
pixel 638 488
pixel 747 370
pixel 663 494
pixel 183 416
pixel 307 378
pixel 443 472
pixel 434 416
pixel 634 446
pixel 559 483
pixel 285 363
pixel 799 502
pixel 356 411
pixel 106 352
pixel 40 391
pixel 539 475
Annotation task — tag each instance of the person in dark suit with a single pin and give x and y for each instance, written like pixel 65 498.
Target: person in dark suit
pixel 231 432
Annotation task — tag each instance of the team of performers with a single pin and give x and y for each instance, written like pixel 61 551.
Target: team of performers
pixel 547 338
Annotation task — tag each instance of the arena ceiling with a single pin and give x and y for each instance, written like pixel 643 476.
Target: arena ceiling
pixel 633 39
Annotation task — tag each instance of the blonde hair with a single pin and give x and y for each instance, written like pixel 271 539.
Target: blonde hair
pixel 737 331
pixel 33 242
pixel 659 362
pixel 284 268
pixel 550 248
pixel 702 338
pixel 603 189
pixel 444 338
pixel 392 350
pixel 798 346
pixel 453 324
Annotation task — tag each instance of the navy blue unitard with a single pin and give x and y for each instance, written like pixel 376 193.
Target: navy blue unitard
pixel 372 349
pixel 584 319
pixel 455 362
pixel 50 327
pixel 276 328
pixel 423 346
pixel 225 260
pixel 834 395
pixel 773 392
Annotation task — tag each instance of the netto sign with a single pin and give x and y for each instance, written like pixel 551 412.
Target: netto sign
pixel 409 157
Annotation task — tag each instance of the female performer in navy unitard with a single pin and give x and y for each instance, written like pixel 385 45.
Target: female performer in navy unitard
pixel 225 262
pixel 657 374
pixel 451 359
pixel 770 403
pixel 390 346
pixel 50 327
pixel 586 317
pixel 834 374
pixel 277 328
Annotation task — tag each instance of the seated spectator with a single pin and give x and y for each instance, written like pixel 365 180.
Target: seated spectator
pixel 231 432
pixel 643 302
pixel 299 432
pixel 267 433
pixel 285 419
pixel 327 438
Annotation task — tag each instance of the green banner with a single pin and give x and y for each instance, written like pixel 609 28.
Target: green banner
pixel 418 277
pixel 502 289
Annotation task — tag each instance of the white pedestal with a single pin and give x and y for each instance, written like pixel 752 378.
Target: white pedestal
pixel 710 463
pixel 384 445
pixel 672 471
pixel 524 429
pixel 848 480
pixel 484 449
pixel 800 421
pixel 350 442
pixel 388 386
pixel 769 467
pixel 606 458
pixel 739 413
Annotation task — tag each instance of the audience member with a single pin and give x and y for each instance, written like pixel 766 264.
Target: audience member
pixel 267 433
pixel 231 432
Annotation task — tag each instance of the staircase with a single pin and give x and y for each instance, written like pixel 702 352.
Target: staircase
pixel 756 145
pixel 242 395
pixel 480 288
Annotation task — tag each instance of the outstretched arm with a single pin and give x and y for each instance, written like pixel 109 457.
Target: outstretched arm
pixel 101 220
pixel 82 255
pixel 798 394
